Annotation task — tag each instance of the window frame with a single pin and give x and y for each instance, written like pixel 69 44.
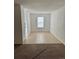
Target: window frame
pixel 42 22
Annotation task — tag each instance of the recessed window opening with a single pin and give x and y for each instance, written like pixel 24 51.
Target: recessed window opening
pixel 40 22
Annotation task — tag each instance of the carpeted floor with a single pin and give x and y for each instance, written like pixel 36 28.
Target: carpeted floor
pixel 39 51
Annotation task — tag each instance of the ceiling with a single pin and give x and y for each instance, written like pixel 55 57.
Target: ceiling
pixel 42 5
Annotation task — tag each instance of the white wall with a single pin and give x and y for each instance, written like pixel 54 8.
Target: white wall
pixel 57 27
pixel 25 23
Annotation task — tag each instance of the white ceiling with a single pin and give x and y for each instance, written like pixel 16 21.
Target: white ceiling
pixel 42 5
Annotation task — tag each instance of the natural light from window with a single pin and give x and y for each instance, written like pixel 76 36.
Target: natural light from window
pixel 40 22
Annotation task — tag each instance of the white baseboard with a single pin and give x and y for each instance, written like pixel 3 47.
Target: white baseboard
pixel 26 38
pixel 58 38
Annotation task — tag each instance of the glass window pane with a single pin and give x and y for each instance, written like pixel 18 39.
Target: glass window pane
pixel 40 22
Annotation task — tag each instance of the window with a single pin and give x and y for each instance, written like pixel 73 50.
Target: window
pixel 40 22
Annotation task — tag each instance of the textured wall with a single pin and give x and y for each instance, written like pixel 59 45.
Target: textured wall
pixel 17 25
pixel 58 24
pixel 33 18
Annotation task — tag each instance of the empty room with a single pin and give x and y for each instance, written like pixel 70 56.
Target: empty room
pixel 39 29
